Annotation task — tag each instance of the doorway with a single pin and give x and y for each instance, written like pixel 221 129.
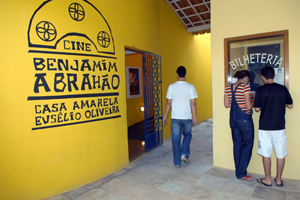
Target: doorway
pixel 144 108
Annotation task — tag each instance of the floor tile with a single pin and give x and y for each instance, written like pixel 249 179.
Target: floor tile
pixel 149 179
pixel 204 160
pixel 120 172
pixel 173 186
pixel 114 185
pixel 59 197
pixel 199 131
pixel 141 176
pixel 166 162
pixel 198 168
pixel 77 192
pixel 223 195
pixel 211 182
pixel 198 192
pixel 183 198
pixel 158 194
pixel 168 142
pixel 161 149
pixel 167 155
pixel 141 160
pixel 97 194
pixel 239 187
pixel 220 172
pixel 162 162
pixel 293 195
pixel 187 176
pixel 200 138
pixel 163 171
pixel 167 172
pixel 294 185
pixel 269 193
pixel 126 189
pixel 196 154
pixel 102 181
pixel 201 147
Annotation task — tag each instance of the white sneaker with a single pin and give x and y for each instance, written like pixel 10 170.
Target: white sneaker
pixel 185 159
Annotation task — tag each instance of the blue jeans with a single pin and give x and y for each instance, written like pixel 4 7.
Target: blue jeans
pixel 179 126
pixel 242 131
pixel 242 136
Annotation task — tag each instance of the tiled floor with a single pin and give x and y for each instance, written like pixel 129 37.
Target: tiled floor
pixel 153 176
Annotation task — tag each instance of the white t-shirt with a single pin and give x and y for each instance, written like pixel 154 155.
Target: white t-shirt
pixel 181 94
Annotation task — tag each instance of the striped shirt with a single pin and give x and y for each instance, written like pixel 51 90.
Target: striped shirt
pixel 239 95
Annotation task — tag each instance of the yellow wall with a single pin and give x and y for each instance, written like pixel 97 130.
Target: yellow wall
pixel 37 164
pixel 134 114
pixel 181 48
pixel 238 18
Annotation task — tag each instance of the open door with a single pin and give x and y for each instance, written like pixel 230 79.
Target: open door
pixel 135 103
pixel 153 120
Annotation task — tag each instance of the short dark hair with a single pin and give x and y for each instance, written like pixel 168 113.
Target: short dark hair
pixel 268 72
pixel 242 74
pixel 181 71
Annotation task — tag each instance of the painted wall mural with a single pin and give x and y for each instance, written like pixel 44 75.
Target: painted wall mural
pixel 74 69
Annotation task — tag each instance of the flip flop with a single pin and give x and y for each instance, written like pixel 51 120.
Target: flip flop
pixel 279 185
pixel 260 181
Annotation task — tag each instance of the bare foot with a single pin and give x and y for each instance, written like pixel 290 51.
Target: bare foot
pixel 260 180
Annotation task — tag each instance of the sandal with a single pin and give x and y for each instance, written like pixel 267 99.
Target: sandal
pixel 261 182
pixel 279 185
pixel 248 178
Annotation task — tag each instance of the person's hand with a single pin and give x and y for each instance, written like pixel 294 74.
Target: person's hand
pixel 252 94
pixel 165 121
pixel 195 121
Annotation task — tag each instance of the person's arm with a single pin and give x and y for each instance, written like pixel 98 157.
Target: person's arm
pixel 289 99
pixel 168 106
pixel 256 100
pixel 248 101
pixel 194 111
pixel 227 103
pixel 247 95
pixel 252 98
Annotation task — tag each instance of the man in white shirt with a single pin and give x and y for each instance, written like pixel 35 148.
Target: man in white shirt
pixel 182 97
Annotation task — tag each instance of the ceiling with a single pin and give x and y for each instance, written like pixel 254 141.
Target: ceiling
pixel 195 14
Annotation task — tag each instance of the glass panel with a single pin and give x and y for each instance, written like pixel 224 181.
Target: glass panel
pixel 255 54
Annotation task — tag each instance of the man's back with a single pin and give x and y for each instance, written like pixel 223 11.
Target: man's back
pixel 181 94
pixel 272 99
